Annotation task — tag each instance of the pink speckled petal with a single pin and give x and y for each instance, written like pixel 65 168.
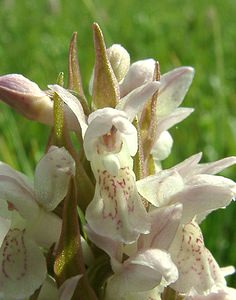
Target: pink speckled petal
pixel 196 265
pixel 22 265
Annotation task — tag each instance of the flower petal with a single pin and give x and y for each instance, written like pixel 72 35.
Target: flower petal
pixel 174 86
pixel 117 211
pixel 49 290
pixel 144 272
pixel 216 166
pixel 134 102
pixel 158 188
pixel 23 266
pixel 173 118
pixel 66 291
pixel 52 176
pixel 202 198
pixel 5 220
pixel 100 123
pixel 140 72
pixel 37 229
pixel 164 224
pixel 74 105
pixel 110 246
pixel 197 267
pixel 16 189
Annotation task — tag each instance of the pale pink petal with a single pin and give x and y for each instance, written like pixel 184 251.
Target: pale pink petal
pixel 100 123
pixel 173 88
pixel 139 73
pixel 37 229
pixel 16 189
pixel 170 120
pixel 143 272
pixel 162 147
pixel 66 291
pixel 134 102
pixel 26 97
pixel 49 290
pixel 186 167
pixel 216 166
pixel 117 211
pixel 5 220
pixel 197 267
pixel 158 188
pixel 22 265
pixel 110 246
pixel 204 193
pixel 164 224
pixel 52 176
pixel 73 108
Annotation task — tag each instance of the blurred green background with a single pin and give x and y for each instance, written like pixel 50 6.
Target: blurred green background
pixel 34 42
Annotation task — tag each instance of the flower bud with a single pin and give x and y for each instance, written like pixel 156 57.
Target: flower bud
pixel 26 98
pixel 140 72
pixel 119 59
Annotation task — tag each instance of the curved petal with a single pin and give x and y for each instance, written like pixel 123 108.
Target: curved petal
pixel 37 229
pixel 22 265
pixel 186 167
pixel 144 272
pixel 162 147
pixel 139 73
pixel 197 267
pixel 164 224
pixel 117 211
pixel 109 245
pixel 74 105
pixel 216 166
pixel 158 188
pixel 134 102
pixel 173 88
pixel 49 290
pixel 202 199
pixel 52 176
pixel 5 220
pixel 101 123
pixel 26 97
pixel 66 291
pixel 173 118
pixel 17 190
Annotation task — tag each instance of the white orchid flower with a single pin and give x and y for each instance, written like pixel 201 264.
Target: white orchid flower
pixel 173 87
pixel 27 222
pixel 110 141
pixel 192 184
pixel 148 268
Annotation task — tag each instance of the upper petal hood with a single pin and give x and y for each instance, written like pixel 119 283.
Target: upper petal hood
pixel 52 176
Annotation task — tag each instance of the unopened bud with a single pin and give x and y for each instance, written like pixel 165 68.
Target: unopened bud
pixel 119 59
pixel 26 98
pixel 139 73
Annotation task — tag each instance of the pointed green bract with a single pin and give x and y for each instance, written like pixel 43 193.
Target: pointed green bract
pixel 105 85
pixel 69 258
pixel 58 111
pixel 74 77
